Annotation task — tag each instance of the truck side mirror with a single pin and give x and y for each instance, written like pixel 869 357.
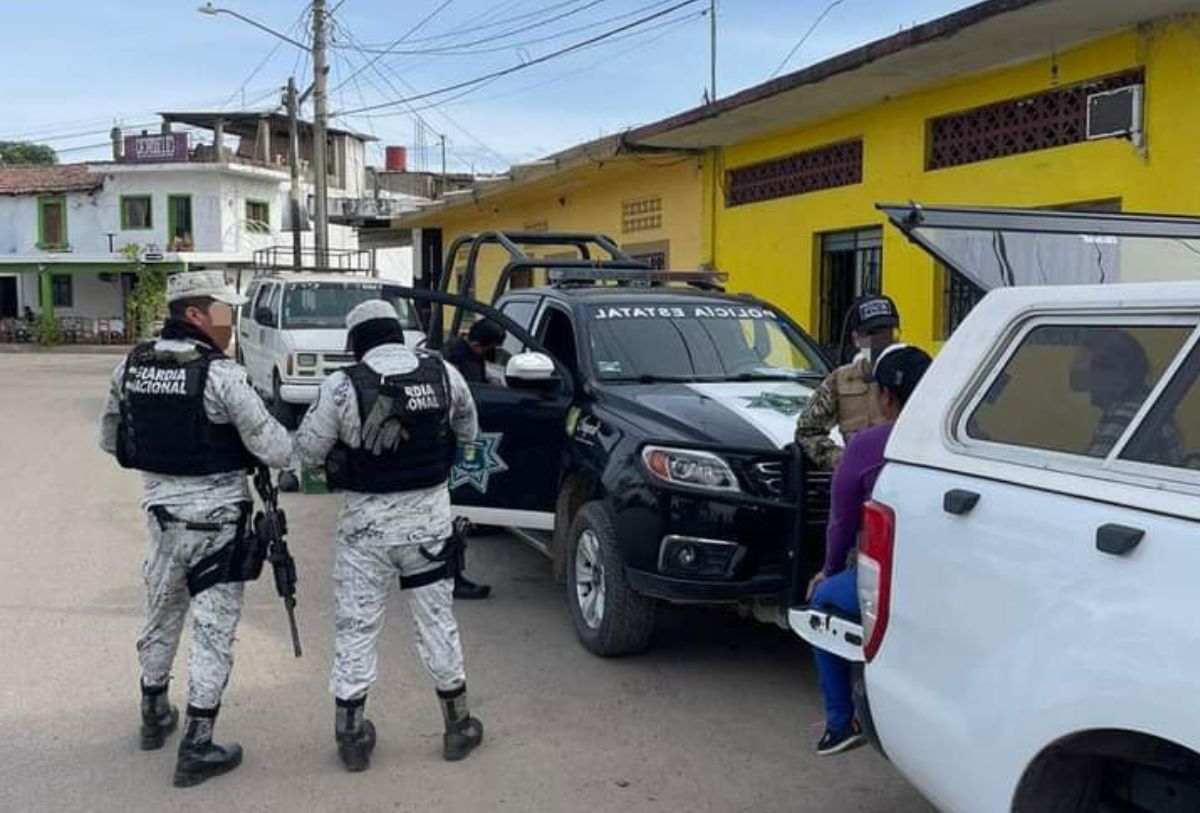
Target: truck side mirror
pixel 531 371
pixel 264 316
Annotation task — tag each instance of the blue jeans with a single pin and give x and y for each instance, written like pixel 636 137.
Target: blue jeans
pixel 838 592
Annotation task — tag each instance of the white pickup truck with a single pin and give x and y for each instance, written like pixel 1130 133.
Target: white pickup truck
pixel 1028 565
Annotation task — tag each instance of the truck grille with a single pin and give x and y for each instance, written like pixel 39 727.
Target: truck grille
pixel 770 478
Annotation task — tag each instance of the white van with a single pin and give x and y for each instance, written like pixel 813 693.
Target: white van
pixel 291 332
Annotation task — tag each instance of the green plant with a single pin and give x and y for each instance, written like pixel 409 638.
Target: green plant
pixel 46 330
pixel 146 303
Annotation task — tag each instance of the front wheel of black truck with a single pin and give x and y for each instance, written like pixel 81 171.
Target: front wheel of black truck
pixel 610 618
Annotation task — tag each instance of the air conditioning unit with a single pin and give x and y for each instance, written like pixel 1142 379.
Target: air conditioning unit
pixel 1115 113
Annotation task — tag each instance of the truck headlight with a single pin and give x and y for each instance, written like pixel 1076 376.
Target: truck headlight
pixel 689 467
pixel 306 359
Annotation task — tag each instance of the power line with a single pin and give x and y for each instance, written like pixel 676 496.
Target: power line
pixel 528 64
pixel 416 115
pixel 409 33
pixel 472 29
pixel 463 48
pixel 439 105
pixel 270 55
pixel 807 34
pixel 667 30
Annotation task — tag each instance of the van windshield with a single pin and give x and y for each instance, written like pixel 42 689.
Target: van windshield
pixel 324 305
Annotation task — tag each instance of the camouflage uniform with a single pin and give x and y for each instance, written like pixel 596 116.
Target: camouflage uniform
pixel 379 536
pixel 845 400
pixel 172 550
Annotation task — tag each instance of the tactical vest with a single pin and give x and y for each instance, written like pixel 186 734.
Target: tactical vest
pixel 425 452
pixel 858 408
pixel 164 428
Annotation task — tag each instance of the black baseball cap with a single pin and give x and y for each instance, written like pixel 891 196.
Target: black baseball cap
pixel 899 368
pixel 872 313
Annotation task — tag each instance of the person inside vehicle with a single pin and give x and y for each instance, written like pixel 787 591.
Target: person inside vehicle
pixel 1112 368
pixel 845 399
pixel 470 354
pixel 896 373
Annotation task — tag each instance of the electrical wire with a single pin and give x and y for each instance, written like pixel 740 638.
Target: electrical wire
pixel 295 26
pixel 416 115
pixel 464 47
pixel 424 20
pixel 448 102
pixel 483 27
pixel 527 64
pixel 811 29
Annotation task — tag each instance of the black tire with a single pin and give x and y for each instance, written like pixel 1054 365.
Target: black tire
pixel 287 414
pixel 624 620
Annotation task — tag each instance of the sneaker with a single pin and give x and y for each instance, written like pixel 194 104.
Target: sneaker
pixel 838 742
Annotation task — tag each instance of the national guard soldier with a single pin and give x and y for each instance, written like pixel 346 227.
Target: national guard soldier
pixel 846 397
pixel 387 429
pixel 184 414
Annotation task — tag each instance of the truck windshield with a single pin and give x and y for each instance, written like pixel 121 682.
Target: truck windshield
pixel 698 342
pixel 324 305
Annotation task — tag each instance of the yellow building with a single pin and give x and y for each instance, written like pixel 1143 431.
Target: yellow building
pixel 650 203
pixel 987 106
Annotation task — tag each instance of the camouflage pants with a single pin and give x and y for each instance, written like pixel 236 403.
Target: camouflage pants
pixel 362 579
pixel 215 612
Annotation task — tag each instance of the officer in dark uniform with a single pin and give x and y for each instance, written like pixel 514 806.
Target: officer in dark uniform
pixel 469 356
pixel 184 414
pixel 387 430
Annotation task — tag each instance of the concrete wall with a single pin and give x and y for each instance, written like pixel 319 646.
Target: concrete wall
pixel 19 224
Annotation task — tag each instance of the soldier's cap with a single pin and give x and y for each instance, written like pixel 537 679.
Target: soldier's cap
pixel 201 284
pixel 369 310
pixel 872 313
pixel 899 368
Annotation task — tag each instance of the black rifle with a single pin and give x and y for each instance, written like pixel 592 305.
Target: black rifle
pixel 270 525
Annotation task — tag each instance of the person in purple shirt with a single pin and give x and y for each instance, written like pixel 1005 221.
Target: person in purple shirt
pixel 897 371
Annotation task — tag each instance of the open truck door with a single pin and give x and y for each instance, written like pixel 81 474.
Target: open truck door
pixel 510 475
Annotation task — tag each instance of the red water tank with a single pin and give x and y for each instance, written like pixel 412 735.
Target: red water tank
pixel 397 159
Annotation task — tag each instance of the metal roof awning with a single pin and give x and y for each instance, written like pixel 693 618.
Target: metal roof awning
pixel 997 248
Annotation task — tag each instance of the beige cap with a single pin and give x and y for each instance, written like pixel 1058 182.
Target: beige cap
pixel 195 284
pixel 371 309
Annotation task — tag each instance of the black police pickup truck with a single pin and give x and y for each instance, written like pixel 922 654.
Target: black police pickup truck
pixel 633 428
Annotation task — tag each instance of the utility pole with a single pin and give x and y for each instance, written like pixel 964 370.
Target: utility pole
pixel 294 164
pixel 320 115
pixel 712 62
pixel 442 138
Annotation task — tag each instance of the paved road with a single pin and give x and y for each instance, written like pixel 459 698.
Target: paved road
pixel 721 716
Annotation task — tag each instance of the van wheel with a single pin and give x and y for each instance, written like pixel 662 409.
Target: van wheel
pixel 610 618
pixel 287 414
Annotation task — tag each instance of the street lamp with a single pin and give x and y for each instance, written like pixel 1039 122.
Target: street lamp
pixel 320 176
pixel 213 11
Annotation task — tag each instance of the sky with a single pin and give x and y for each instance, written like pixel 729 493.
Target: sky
pixel 70 69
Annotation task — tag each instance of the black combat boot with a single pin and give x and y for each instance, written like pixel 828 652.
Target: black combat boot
pixel 467 590
pixel 159 718
pixel 355 734
pixel 199 757
pixel 463 732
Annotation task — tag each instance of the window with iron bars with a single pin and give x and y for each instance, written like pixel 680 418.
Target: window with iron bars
pixel 825 167
pixel 959 297
pixel 1054 118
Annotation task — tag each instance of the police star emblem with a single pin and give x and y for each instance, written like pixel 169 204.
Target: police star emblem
pixel 477 461
pixel 789 405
